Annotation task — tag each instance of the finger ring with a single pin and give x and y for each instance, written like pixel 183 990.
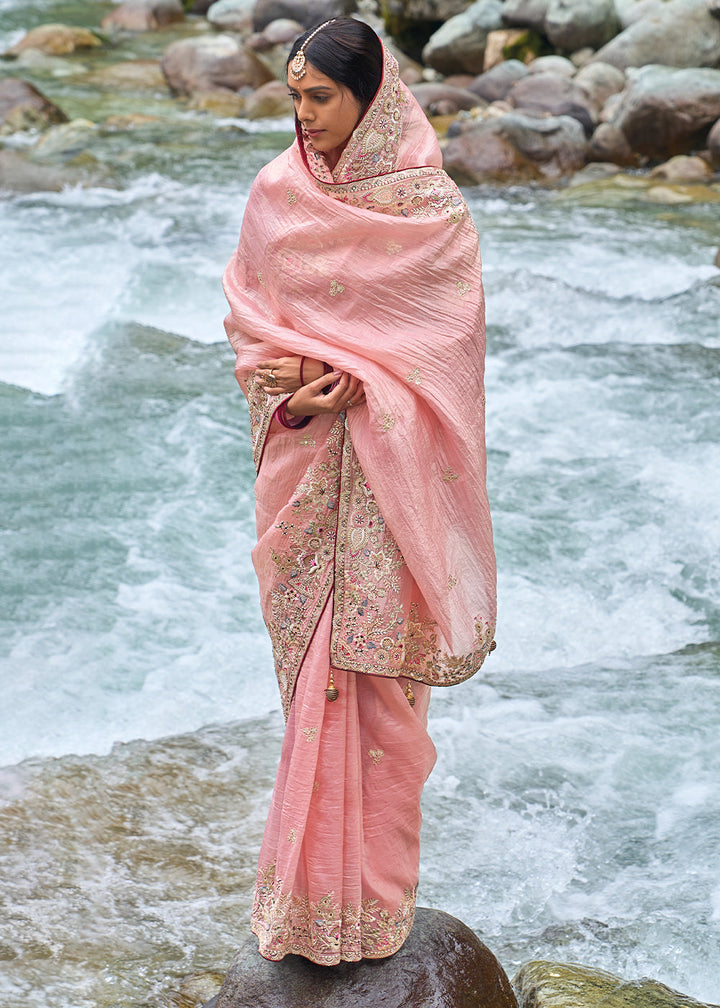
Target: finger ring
pixel 349 402
pixel 271 379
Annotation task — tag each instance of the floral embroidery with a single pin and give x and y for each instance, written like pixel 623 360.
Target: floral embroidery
pixel 291 197
pixel 310 734
pixel 375 755
pixel 387 421
pixel 336 288
pixel 452 581
pixel 449 475
pixel 415 376
pixel 292 836
pixel 326 931
pixel 392 248
pixel 260 279
pixel 307 441
pixel 462 287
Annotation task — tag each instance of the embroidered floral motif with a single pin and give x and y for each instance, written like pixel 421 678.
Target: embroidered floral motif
pixel 336 288
pixel 260 279
pixel 452 581
pixel 310 734
pixel 387 421
pixel 463 287
pixel 415 376
pixel 449 475
pixel 326 931
pixel 291 197
pixel 375 755
pixel 392 248
pixel 292 836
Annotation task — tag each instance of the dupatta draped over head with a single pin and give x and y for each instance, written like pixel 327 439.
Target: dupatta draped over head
pixel 375 269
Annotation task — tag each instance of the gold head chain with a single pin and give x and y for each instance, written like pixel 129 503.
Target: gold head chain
pixel 297 64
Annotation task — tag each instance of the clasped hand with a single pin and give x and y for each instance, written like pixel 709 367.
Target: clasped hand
pixel 324 393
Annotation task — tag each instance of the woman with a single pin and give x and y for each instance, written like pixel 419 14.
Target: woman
pixel 356 313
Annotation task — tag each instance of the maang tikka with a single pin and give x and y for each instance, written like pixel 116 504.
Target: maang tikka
pixel 297 63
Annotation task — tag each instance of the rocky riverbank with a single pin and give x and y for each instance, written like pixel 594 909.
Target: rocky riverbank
pixel 519 91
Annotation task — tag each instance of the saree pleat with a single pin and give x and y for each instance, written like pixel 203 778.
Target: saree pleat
pixel 339 862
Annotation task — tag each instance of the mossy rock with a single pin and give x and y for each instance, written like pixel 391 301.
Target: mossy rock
pixel 527 46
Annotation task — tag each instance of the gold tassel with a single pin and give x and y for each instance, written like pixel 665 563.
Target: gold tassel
pixel 332 692
pixel 410 695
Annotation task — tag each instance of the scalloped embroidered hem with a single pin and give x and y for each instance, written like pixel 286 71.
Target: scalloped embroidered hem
pixel 327 934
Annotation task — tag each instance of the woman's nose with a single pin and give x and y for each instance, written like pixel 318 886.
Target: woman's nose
pixel 304 112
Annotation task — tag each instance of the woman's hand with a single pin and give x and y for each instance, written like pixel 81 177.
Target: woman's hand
pixel 346 391
pixel 283 374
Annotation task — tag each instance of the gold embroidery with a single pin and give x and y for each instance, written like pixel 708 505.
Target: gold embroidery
pixel 326 931
pixel 260 279
pixel 336 288
pixel 310 734
pixel 375 755
pixel 415 376
pixel 387 422
pixel 452 581
pixel 392 248
pixel 292 836
pixel 315 787
pixel 307 441
pixel 449 475
pixel 291 197
pixel 462 287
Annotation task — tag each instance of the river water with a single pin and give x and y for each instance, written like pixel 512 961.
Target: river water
pixel 574 812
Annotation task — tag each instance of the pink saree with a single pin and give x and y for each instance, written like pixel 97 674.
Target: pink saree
pixel 374 556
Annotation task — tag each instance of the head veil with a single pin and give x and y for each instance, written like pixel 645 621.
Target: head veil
pixel 375 268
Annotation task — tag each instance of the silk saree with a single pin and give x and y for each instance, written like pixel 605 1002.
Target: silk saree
pixel 374 556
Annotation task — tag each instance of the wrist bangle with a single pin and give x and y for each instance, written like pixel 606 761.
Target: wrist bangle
pixel 302 364
pixel 290 422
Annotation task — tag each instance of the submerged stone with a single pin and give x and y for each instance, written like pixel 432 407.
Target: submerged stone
pixel 442 963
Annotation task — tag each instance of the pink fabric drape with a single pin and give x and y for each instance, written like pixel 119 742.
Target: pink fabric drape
pixel 374 549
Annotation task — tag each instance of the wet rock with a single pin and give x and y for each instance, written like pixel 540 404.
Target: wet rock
pixel 219 102
pixel 665 111
pixel 268 102
pixel 547 94
pixel 441 963
pixel 130 75
pixel 143 15
pixel 65 141
pixel 713 142
pixel 458 46
pixel 683 169
pixel 682 33
pixel 561 66
pixel 56 40
pixel 495 84
pixel 572 24
pixel 443 99
pixel 595 171
pixel 232 15
pixel 23 107
pixel 526 14
pixel 559 985
pixel 599 81
pixel 305 12
pixel 18 173
pixel 212 61
pixel 608 143
pixel 514 146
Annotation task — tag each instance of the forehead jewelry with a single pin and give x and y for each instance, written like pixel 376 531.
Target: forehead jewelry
pixel 297 64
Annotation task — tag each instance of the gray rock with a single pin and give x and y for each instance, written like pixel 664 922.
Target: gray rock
pixel 18 173
pixel 599 81
pixel 515 146
pixel 458 46
pixel 683 168
pixel 547 94
pixel 495 84
pixel 665 111
pixel 442 963
pixel 682 33
pixel 23 107
pixel 608 143
pixel 305 12
pixel 713 142
pixel 56 40
pixel 212 61
pixel 443 99
pixel 630 11
pixel 144 15
pixel 561 66
pixel 232 15
pixel 573 24
pixel 525 14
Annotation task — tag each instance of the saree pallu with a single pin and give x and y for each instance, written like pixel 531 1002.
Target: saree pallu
pixel 374 556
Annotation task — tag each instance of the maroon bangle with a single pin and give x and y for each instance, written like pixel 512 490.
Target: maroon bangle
pixel 302 363
pixel 290 422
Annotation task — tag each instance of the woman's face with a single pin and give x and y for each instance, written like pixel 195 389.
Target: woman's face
pixel 328 112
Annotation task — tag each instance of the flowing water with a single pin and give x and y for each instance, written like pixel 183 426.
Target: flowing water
pixel 574 812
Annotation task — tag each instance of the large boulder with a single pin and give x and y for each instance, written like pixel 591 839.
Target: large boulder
pixel 560 985
pixel 513 146
pixel 232 15
pixel 23 107
pixel 608 143
pixel 682 33
pixel 599 81
pixel 665 111
pixel 442 963
pixel 459 45
pixel 548 94
pixel 144 15
pixel 573 24
pixel 305 12
pixel 19 173
pixel 495 84
pixel 444 99
pixel 525 14
pixel 56 40
pixel 212 61
pixel 268 102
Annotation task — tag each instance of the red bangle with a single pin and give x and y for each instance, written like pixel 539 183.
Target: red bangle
pixel 290 422
pixel 302 363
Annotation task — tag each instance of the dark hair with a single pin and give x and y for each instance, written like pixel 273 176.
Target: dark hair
pixel 348 52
